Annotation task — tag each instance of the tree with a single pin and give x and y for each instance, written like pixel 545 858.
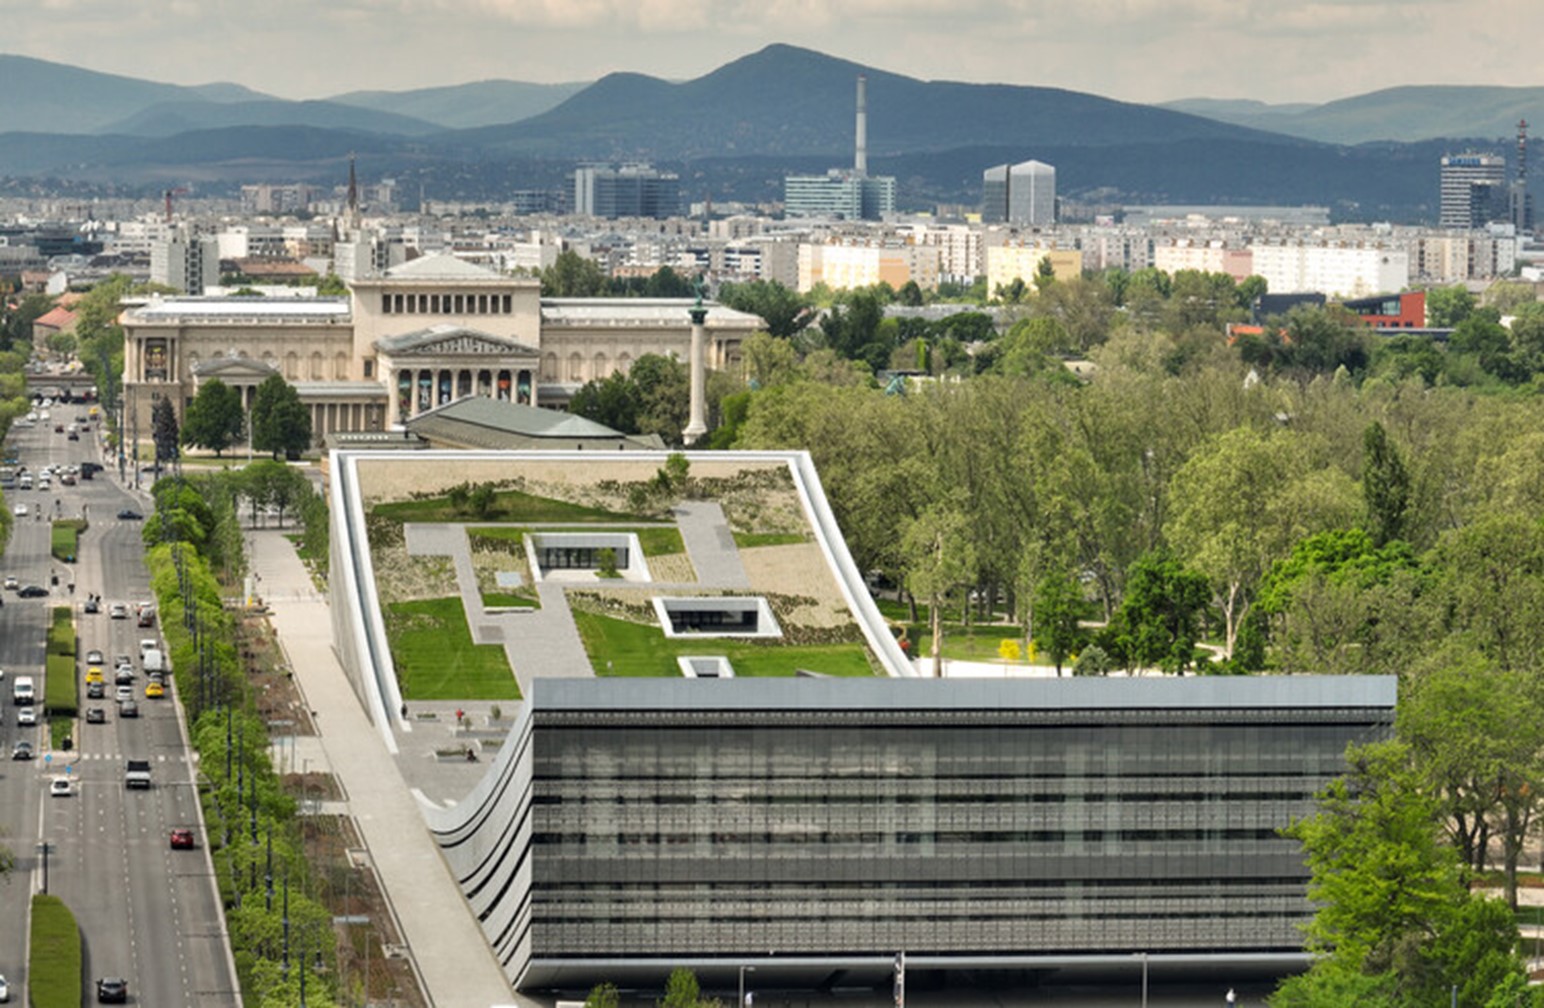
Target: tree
pixel 163 431
pixel 769 360
pixel 603 996
pixel 664 395
pixel 1385 485
pixel 612 401
pixel 1242 501
pixel 940 557
pixel 1159 620
pixel 1446 307
pixel 572 275
pixel 1058 605
pixel 1393 902
pixel 214 419
pixel 280 422
pixel 681 990
pixel 784 311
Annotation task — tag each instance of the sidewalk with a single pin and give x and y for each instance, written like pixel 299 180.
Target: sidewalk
pixel 453 957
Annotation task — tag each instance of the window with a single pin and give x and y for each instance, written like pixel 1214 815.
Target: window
pixel 369 367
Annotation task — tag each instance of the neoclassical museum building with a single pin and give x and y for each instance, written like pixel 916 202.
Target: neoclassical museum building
pixel 419 336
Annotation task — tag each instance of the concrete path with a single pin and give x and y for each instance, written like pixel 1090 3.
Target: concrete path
pixel 452 955
pixel 537 642
pixel 710 544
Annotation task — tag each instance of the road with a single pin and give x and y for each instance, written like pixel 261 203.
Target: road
pixel 146 912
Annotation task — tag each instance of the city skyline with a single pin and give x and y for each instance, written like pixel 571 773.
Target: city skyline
pixel 1127 50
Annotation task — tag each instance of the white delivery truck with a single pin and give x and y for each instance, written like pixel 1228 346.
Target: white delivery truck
pixel 154 660
pixel 23 693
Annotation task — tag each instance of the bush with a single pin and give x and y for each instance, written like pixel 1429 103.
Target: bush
pixel 54 964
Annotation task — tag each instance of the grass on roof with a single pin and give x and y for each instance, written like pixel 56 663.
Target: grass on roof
pixel 656 540
pixel 618 647
pixel 508 506
pixel 432 648
pixel 750 540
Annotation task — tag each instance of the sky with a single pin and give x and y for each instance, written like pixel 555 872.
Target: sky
pixel 1134 50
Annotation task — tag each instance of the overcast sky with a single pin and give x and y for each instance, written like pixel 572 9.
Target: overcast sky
pixel 1137 50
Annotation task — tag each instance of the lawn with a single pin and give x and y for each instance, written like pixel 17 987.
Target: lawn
pixel 621 648
pixel 54 960
pixel 432 647
pixel 508 506
pixel 61 692
pixel 65 544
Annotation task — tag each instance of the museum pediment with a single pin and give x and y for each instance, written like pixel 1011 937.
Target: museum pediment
pixel 452 341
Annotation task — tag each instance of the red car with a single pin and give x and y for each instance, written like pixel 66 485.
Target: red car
pixel 182 839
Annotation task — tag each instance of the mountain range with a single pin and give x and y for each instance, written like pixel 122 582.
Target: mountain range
pixel 734 132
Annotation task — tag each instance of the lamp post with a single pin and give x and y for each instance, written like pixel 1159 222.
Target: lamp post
pixel 1144 979
pixel 744 970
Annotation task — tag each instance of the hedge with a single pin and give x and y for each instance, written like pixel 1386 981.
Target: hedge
pixel 61 634
pixel 54 973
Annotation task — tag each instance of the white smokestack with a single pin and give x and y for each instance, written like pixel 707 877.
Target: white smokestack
pixel 860 156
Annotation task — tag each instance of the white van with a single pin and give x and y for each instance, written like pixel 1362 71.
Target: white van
pixel 154 661
pixel 22 691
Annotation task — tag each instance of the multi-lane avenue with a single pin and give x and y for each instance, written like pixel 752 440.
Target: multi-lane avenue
pixel 147 912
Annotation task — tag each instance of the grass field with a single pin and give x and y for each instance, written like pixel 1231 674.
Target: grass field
pixel 61 691
pixel 432 647
pixel 507 600
pixel 54 961
pixel 508 506
pixel 65 539
pixel 622 648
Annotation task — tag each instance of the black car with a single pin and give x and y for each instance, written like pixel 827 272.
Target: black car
pixel 95 691
pixel 91 606
pixel 33 591
pixel 96 715
pixel 129 514
pixel 22 750
pixel 112 990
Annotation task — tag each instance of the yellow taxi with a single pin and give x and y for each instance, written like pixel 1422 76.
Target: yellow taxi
pixel 154 691
pixel 94 674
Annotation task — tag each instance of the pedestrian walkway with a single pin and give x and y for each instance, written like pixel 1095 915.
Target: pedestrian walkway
pixel 453 957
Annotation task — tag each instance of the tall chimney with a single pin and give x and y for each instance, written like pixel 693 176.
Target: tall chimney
pixel 860 155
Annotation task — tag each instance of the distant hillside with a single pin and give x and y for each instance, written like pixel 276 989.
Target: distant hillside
pixel 464 106
pixel 165 119
pixel 55 98
pixel 786 100
pixel 1405 114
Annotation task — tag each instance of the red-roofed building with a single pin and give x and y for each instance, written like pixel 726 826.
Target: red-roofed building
pixel 57 320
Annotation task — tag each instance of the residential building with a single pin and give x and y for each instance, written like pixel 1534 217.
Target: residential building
pixel 1339 271
pixel 186 262
pixel 1021 261
pixel 1205 256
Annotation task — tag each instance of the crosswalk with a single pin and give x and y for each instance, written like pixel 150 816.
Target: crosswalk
pixel 78 757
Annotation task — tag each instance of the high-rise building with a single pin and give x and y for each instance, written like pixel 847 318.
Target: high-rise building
pixel 631 190
pixel 187 263
pixel 1474 190
pixel 1023 194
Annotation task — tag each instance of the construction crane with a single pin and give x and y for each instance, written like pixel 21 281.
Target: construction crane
pixel 169 194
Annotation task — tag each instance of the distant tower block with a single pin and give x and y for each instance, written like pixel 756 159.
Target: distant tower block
pixel 1519 203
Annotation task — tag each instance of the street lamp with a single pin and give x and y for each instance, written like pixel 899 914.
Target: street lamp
pixel 1144 979
pixel 744 970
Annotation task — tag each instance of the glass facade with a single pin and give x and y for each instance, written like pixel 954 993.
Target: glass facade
pixel 840 832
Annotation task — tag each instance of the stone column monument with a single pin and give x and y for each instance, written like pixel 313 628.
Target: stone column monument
pixel 697 424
